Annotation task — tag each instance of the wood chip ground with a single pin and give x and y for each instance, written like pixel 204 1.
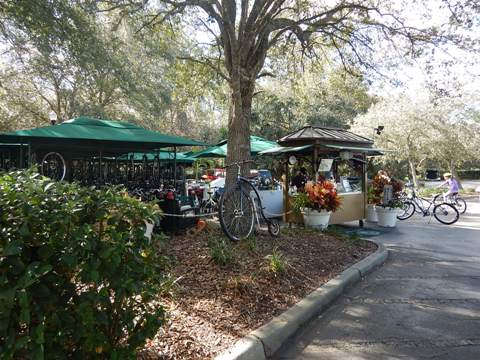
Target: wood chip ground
pixel 211 306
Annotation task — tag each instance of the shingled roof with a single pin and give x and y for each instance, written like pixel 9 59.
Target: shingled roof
pixel 325 135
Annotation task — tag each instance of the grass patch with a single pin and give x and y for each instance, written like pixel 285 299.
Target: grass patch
pixel 221 251
pixel 277 262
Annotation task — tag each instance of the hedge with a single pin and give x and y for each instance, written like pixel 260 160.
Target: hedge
pixel 78 278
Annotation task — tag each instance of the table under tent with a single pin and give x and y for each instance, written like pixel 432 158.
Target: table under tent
pixel 101 152
pixel 332 153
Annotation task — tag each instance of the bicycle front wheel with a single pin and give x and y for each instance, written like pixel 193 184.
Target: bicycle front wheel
pixel 236 213
pixel 446 213
pixel 407 210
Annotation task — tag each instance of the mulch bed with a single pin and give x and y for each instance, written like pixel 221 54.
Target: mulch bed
pixel 212 306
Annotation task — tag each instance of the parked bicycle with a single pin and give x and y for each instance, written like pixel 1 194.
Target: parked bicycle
pixel 453 199
pixel 444 213
pixel 238 209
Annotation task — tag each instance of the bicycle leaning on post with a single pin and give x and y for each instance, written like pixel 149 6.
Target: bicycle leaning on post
pixel 444 213
pixel 238 210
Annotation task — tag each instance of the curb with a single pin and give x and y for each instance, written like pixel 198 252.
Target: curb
pixel 263 342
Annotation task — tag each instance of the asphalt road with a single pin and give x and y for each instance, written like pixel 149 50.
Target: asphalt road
pixel 423 303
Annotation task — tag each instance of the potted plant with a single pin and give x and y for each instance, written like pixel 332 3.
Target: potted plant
pixel 317 203
pixel 387 210
pixel 387 213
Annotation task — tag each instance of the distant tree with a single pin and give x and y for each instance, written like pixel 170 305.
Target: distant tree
pixel 440 130
pixel 317 96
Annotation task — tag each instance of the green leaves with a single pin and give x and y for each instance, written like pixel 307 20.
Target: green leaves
pixel 13 248
pixel 73 284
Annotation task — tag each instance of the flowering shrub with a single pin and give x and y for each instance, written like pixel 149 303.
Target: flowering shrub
pixel 322 196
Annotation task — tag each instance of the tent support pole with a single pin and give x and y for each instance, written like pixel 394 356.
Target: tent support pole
pixel 100 166
pixel 20 160
pixel 29 160
pixel 175 167
pixel 286 185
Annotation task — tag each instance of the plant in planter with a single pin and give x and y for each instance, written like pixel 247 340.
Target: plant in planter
pixel 387 213
pixel 317 203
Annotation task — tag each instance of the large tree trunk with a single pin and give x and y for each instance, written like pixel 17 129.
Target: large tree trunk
pixel 413 172
pixel 239 127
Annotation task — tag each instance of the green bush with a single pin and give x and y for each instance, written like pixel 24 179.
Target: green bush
pixel 78 278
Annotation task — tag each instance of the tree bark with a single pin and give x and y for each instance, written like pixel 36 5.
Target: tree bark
pixel 239 126
pixel 413 171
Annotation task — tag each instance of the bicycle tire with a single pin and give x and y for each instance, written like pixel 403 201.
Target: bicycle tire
pixel 461 205
pixel 57 157
pixel 445 209
pixel 438 199
pixel 235 205
pixel 408 211
pixel 273 227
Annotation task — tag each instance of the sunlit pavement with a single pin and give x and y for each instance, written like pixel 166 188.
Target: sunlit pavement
pixel 424 303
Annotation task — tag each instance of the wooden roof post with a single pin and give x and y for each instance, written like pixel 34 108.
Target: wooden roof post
pixel 286 199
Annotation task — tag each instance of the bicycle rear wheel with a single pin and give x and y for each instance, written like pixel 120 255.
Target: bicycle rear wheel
pixel 461 205
pixel 408 209
pixel 446 213
pixel 273 227
pixel 236 213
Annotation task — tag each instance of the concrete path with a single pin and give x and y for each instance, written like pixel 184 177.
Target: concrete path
pixel 424 303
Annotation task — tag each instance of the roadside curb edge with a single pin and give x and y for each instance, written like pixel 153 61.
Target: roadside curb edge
pixel 263 342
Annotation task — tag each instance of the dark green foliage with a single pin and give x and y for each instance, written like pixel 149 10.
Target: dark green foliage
pixel 78 278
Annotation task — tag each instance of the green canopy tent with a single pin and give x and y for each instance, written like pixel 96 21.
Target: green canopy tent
pixel 85 136
pixel 257 145
pixel 85 139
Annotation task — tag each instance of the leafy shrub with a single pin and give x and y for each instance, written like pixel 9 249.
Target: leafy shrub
pixel 78 278
pixel 220 251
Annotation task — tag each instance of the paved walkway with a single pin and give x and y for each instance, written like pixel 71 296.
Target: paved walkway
pixel 424 303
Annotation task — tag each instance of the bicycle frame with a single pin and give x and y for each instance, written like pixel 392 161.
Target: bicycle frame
pixel 241 179
pixel 244 180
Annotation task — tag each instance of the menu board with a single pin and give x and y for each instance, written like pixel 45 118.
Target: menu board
pixel 325 165
pixel 346 184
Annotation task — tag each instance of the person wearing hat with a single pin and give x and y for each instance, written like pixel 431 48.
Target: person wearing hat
pixel 452 186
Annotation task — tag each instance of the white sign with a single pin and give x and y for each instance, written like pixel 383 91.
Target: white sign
pixel 325 165
pixel 387 194
pixel 346 184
